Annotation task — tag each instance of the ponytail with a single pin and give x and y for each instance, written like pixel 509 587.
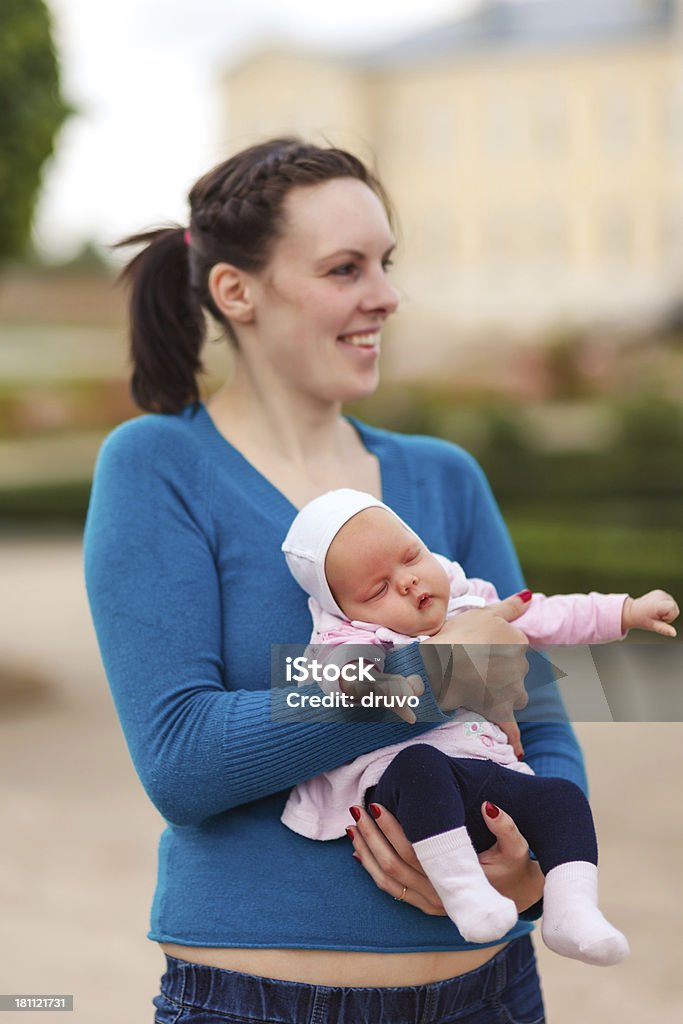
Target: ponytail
pixel 166 322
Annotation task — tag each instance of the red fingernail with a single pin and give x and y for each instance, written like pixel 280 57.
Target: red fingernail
pixel 349 832
pixel 520 757
pixel 355 813
pixel 374 810
pixel 356 857
pixel 491 810
pixel 525 595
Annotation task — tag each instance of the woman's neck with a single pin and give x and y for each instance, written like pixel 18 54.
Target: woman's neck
pixel 303 447
pixel 297 431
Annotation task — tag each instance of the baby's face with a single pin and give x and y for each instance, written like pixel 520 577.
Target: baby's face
pixel 380 572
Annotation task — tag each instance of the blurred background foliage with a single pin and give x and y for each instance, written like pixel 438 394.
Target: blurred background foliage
pixel 32 113
pixel 579 430
pixel 583 452
pixel 592 491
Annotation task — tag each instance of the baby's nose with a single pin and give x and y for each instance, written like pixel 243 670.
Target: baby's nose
pixel 409 580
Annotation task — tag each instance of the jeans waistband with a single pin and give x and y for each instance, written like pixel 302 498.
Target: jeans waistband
pixel 282 1002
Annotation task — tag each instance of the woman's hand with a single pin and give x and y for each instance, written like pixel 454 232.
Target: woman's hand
pixel 478 661
pixel 380 845
pixel 507 864
pixel 385 853
pixel 514 737
pixel 389 691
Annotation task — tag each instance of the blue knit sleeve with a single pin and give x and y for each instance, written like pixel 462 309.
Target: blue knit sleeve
pixel 550 745
pixel 198 747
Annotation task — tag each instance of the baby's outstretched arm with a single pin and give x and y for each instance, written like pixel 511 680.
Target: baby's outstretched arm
pixel 654 611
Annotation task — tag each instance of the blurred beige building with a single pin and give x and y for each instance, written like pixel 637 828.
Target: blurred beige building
pixel 534 151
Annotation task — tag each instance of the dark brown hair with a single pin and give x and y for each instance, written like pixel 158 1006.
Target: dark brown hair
pixel 236 216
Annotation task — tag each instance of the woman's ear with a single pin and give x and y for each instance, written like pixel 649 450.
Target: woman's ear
pixel 231 291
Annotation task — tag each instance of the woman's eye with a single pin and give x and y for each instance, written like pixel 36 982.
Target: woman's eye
pixel 347 269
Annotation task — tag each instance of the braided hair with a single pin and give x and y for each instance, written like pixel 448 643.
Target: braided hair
pixel 236 216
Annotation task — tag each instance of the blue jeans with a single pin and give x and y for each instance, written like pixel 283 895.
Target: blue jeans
pixel 505 990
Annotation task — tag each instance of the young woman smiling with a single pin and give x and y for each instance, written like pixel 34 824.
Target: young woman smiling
pixel 288 248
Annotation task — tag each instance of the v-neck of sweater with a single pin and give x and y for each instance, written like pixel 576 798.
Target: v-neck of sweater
pixel 397 491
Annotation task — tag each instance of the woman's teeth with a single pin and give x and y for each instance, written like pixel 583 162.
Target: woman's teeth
pixel 361 340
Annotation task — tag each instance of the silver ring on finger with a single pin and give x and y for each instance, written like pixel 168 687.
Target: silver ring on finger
pixel 399 899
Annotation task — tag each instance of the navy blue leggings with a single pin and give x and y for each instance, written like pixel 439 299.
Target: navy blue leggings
pixel 430 792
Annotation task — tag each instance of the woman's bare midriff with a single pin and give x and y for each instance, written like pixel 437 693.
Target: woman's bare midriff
pixel 335 967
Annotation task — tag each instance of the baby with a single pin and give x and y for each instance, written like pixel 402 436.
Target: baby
pixel 371 580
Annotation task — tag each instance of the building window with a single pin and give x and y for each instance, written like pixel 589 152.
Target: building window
pixel 617 236
pixel 552 233
pixel 673 116
pixel 671 237
pixel 499 243
pixel 617 125
pixel 501 127
pixel 550 123
pixel 439 124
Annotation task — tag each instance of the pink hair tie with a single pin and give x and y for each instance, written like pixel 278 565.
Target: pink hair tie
pixel 187 238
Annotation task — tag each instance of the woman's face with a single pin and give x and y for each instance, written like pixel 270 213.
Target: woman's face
pixel 321 302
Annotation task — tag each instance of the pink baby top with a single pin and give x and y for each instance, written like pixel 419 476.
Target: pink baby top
pixel 319 807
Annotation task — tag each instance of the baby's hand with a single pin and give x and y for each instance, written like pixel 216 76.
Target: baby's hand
pixel 511 730
pixel 652 611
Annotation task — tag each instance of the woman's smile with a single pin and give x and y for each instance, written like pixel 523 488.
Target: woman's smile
pixel 362 339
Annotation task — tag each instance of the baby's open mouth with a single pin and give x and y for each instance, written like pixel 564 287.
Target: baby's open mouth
pixel 424 601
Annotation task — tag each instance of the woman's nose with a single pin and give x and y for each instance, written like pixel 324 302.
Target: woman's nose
pixel 380 295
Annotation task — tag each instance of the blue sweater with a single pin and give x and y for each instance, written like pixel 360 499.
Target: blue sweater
pixel 188 590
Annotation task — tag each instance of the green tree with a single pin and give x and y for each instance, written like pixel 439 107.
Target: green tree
pixel 31 113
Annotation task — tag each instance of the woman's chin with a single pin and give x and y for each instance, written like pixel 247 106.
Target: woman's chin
pixel 359 389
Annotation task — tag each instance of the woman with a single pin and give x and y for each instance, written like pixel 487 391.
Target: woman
pixel 288 248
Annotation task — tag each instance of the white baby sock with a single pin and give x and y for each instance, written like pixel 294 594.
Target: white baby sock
pixel 452 866
pixel 572 923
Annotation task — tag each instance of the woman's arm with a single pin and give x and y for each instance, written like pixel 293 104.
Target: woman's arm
pixel 155 593
pixel 487 551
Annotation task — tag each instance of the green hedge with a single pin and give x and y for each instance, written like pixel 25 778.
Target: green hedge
pixel 560 556
pixel 45 505
pixel 609 519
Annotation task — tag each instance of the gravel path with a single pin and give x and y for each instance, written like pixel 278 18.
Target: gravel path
pixel 77 860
